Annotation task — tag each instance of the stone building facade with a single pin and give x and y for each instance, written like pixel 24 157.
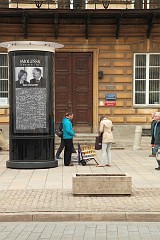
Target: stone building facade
pixel 113 37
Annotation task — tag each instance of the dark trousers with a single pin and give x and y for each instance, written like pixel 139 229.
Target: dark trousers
pixel 60 149
pixel 68 143
pixel 155 150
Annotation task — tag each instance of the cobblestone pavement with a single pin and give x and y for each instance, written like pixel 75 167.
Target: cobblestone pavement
pixel 50 190
pixel 80 231
pixel 18 201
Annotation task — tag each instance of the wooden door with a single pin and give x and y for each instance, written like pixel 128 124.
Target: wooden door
pixel 73 85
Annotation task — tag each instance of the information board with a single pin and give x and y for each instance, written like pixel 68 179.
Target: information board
pixel 30 92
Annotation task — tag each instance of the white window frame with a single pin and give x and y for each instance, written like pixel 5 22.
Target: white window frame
pixel 6 104
pixel 147 82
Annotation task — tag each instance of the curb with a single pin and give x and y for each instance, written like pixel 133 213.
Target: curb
pixel 79 216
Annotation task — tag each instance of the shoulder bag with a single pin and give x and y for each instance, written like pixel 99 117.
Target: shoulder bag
pixel 98 142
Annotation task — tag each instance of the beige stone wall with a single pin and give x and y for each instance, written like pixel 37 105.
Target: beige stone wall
pixel 4 112
pixel 4 116
pixel 115 58
pixel 116 62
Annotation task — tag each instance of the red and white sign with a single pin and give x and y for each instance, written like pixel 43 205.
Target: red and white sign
pixel 110 103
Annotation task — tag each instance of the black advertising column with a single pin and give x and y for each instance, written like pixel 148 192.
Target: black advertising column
pixel 31 97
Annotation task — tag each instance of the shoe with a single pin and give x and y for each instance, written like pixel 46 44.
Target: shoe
pixel 74 151
pixel 58 157
pixel 100 165
pixel 71 164
pixel 151 155
pixel 108 165
pixel 157 168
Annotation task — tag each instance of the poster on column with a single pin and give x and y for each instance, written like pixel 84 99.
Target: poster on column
pixel 30 91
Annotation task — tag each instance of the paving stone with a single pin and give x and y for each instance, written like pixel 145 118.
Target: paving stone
pixel 74 225
pixel 79 233
pixel 32 195
pixel 156 238
pixel 46 234
pixel 24 237
pixel 123 238
pixel 34 236
pixel 67 237
pixel 56 235
pixel 12 236
pixel 143 230
pixel 79 238
pixel 3 235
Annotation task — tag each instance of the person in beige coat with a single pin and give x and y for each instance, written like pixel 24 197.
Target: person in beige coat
pixel 106 128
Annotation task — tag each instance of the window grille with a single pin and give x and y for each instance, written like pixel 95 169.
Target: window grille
pixel 4 3
pixel 147 79
pixel 3 80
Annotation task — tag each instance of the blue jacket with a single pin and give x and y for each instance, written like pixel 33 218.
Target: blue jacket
pixel 68 132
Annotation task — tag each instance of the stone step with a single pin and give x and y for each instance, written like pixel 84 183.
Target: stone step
pixel 121 143
pixel 85 139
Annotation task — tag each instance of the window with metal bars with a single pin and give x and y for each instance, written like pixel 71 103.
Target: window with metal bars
pixel 3 80
pixel 147 79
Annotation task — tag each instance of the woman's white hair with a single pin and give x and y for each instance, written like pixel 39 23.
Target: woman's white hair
pixel 157 114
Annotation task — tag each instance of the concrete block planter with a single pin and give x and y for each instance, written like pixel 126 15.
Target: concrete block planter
pixel 102 184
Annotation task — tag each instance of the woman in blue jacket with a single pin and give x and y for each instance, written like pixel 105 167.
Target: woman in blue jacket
pixel 68 135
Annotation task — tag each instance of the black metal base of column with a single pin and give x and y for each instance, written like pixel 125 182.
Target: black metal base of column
pixel 31 165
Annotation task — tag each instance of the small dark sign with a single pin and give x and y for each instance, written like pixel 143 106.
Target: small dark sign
pixel 110 96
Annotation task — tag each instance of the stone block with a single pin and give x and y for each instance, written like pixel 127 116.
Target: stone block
pixel 119 103
pixel 111 55
pixel 129 71
pixel 129 87
pixel 124 95
pixel 129 104
pixel 136 120
pixel 103 110
pixel 16 217
pixel 123 111
pixel 2 111
pixel 117 119
pixel 146 111
pixel 122 47
pixel 114 71
pixel 119 87
pixel 4 120
pixel 129 56
pixel 3 143
pixel 122 79
pixel 122 64
pixel 101 184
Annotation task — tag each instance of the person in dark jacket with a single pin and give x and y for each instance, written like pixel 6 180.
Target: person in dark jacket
pixel 156 133
pixel 152 133
pixel 68 135
pixel 60 149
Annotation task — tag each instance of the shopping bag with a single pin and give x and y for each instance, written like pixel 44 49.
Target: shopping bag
pixel 98 142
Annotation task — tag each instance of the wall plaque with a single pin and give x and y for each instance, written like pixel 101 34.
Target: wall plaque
pixel 110 103
pixel 110 96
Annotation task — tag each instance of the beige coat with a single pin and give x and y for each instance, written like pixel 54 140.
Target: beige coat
pixel 106 127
